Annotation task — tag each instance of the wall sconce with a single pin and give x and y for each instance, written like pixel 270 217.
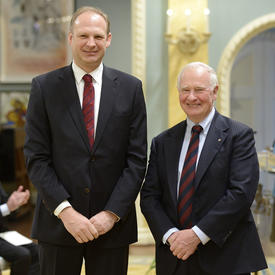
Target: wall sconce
pixel 188 39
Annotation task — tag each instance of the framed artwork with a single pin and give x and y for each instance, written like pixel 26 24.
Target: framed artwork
pixel 33 37
pixel 13 107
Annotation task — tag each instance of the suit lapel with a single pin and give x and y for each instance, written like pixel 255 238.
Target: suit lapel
pixel 172 149
pixel 214 140
pixel 107 99
pixel 71 98
pixel 70 95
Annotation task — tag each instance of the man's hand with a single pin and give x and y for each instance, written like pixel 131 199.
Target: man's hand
pixel 103 221
pixel 183 243
pixel 18 198
pixel 78 225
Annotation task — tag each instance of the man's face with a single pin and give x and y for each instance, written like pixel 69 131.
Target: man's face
pixel 89 40
pixel 195 93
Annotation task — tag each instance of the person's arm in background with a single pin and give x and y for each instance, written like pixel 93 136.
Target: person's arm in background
pixel 18 198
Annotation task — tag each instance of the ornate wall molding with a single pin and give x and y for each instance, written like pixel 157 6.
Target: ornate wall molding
pixel 230 52
pixel 139 40
pixel 176 58
pixel 139 70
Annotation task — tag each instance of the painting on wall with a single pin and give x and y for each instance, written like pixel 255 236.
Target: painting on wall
pixel 33 37
pixel 13 106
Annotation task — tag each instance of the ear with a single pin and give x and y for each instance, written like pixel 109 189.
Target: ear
pixel 215 92
pixel 70 38
pixel 109 38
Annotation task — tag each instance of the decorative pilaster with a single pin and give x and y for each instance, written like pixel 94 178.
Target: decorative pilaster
pixel 139 40
pixel 139 70
pixel 193 19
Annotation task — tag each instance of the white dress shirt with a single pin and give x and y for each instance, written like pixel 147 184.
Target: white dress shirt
pixel 205 124
pixel 79 82
pixel 4 210
pixel 97 82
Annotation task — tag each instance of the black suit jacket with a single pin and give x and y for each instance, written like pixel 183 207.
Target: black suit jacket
pixel 3 199
pixel 62 166
pixel 225 184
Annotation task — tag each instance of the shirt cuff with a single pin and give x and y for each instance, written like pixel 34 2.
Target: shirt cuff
pixel 117 217
pixel 4 209
pixel 201 235
pixel 60 207
pixel 168 234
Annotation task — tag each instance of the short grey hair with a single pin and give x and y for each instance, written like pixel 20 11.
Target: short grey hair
pixel 213 76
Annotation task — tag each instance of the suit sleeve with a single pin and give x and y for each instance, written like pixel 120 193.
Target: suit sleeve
pixel 152 198
pixel 128 186
pixel 233 206
pixel 37 150
pixel 3 200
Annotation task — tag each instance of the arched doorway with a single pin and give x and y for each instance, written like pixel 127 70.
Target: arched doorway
pixel 229 54
pixel 247 93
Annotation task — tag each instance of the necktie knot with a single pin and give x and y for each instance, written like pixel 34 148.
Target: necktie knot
pixel 197 129
pixel 87 78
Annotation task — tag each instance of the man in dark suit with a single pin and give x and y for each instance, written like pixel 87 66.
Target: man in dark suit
pixel 23 259
pixel 87 174
pixel 214 190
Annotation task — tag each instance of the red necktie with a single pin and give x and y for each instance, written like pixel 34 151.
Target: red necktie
pixel 186 188
pixel 88 106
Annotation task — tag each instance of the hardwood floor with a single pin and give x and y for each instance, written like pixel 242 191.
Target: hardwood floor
pixel 22 221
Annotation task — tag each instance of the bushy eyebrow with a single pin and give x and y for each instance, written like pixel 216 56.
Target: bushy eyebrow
pixel 196 87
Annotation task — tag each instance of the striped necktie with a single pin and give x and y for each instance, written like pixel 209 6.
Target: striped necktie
pixel 88 106
pixel 186 188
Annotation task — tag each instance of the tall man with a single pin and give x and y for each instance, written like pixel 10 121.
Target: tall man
pixel 200 185
pixel 86 154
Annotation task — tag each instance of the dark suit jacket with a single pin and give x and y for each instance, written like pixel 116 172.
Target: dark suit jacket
pixel 62 166
pixel 3 199
pixel 7 155
pixel 225 184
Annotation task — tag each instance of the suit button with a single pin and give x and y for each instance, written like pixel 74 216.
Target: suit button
pixel 92 158
pixel 86 190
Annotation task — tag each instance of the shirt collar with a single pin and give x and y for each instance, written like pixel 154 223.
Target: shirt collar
pixel 79 73
pixel 205 124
